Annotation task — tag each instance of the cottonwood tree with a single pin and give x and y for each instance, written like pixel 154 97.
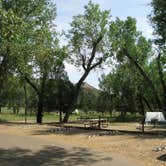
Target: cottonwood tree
pixel 13 21
pixel 46 56
pixel 130 44
pixel 29 43
pixel 158 20
pixel 16 17
pixel 87 44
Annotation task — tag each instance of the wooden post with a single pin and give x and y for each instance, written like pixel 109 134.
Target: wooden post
pixel 99 125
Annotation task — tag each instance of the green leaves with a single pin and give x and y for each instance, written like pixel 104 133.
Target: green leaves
pixel 28 38
pixel 88 32
pixel 158 19
pixel 124 35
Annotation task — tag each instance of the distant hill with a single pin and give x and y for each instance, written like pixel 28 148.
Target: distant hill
pixel 90 89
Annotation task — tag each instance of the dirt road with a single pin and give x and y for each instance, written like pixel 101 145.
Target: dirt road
pixel 17 150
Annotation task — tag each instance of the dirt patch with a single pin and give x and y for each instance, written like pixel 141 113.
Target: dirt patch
pixel 138 148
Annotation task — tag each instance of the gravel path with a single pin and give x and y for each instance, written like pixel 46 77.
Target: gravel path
pixel 16 150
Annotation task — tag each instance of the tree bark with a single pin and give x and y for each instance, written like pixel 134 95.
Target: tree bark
pixel 39 104
pixel 72 105
pixel 26 102
pixel 60 115
pixel 39 109
pixel 143 113
pixel 41 99
pixel 147 103
pixel 40 93
pixel 14 109
pixel 17 110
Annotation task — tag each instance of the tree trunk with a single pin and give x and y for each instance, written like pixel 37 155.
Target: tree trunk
pixel 69 111
pixel 0 109
pixel 110 112
pixel 164 103
pixel 147 103
pixel 60 115
pixel 39 109
pixel 143 113
pixel 26 102
pixel 40 94
pixel 17 110
pixel 14 110
pixel 72 105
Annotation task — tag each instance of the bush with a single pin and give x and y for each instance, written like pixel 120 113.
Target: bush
pixel 126 118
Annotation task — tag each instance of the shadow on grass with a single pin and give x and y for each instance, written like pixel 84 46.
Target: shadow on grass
pixel 49 156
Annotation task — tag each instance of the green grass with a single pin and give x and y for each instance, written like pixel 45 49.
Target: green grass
pixel 48 117
pixel 13 117
pixel 8 116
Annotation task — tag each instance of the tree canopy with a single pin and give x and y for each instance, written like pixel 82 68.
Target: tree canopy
pixel 158 19
pixel 31 53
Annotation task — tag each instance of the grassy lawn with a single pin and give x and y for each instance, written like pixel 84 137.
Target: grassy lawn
pixel 21 117
pixel 7 115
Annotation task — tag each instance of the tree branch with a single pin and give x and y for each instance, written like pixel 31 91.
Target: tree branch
pixel 96 64
pixel 83 62
pixel 148 80
pixel 94 51
pixel 32 85
pixel 29 82
pixel 147 103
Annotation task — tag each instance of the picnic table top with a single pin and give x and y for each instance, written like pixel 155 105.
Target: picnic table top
pixel 97 119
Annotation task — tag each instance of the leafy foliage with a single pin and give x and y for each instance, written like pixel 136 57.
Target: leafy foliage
pixel 88 37
pixel 158 19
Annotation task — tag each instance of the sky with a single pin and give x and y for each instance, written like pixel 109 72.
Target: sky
pixel 138 9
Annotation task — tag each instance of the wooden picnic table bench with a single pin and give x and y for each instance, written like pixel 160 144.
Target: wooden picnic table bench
pixel 91 124
pixel 96 123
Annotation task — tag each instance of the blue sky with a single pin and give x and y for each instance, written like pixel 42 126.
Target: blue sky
pixel 138 9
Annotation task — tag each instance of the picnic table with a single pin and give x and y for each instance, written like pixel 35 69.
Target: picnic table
pixel 96 123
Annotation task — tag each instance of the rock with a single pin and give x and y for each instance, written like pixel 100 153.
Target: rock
pixel 158 149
